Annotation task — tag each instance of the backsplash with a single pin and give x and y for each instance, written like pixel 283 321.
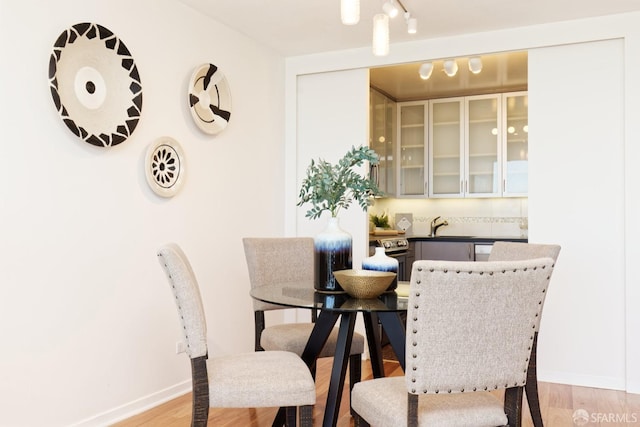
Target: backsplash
pixel 500 217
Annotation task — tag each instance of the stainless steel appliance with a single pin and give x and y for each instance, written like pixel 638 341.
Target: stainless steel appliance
pixel 397 248
pixel 482 251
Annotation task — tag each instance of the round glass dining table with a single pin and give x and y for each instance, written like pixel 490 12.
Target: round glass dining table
pixel 384 311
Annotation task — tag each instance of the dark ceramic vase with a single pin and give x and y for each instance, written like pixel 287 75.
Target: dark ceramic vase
pixel 332 253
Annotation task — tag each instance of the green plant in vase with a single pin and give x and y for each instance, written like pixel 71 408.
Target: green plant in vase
pixel 331 187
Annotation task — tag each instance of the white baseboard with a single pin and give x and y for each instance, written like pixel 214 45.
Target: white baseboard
pixel 136 407
pixel 611 383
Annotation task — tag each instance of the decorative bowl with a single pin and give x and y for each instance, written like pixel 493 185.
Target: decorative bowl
pixel 364 283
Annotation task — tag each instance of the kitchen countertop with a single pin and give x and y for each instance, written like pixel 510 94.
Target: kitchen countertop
pixel 445 238
pixel 480 239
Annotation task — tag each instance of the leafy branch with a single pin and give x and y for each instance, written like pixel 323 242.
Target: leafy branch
pixel 332 187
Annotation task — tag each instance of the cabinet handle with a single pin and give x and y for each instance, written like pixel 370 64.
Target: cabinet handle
pixel 461 187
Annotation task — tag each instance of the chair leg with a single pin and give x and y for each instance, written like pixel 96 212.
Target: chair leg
pixel 280 418
pixel 306 416
pixel 200 379
pixel 531 387
pixel 358 421
pixel 513 405
pixel 355 374
pixel 291 412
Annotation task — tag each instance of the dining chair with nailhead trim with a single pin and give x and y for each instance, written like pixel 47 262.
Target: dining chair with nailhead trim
pixel 289 260
pixel 470 329
pixel 512 251
pixel 248 380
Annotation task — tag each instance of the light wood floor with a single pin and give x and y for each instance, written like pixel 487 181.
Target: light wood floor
pixel 606 408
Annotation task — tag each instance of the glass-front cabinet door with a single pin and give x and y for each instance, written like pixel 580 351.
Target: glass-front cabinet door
pixel 446 136
pixel 516 144
pixel 482 146
pixel 382 135
pixel 412 119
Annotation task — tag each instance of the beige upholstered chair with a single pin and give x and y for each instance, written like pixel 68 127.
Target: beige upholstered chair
pixel 249 380
pixel 512 251
pixel 470 328
pixel 282 260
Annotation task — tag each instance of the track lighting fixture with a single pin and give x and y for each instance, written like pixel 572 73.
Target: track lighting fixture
pixel 350 15
pixel 350 11
pixel 389 7
pixel 475 64
pixel 450 67
pixel 425 70
pixel 412 23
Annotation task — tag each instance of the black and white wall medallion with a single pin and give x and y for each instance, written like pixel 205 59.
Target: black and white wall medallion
pixel 95 84
pixel 164 166
pixel 209 99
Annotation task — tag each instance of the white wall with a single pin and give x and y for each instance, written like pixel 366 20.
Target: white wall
pixel 87 321
pixel 576 198
pixel 604 352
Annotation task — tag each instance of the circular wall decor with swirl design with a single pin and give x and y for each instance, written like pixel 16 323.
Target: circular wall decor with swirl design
pixel 164 166
pixel 209 99
pixel 95 84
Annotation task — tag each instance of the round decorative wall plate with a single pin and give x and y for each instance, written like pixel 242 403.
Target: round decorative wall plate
pixel 164 166
pixel 95 84
pixel 209 99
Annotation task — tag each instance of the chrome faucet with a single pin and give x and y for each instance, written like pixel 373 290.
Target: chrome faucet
pixel 434 225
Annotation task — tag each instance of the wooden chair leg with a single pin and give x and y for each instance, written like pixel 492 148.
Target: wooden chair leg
pixel 355 374
pixel 531 387
pixel 280 419
pixel 306 416
pixel 291 412
pixel 412 410
pixel 358 421
pixel 200 379
pixel 513 405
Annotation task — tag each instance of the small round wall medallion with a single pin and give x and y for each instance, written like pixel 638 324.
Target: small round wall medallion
pixel 95 84
pixel 209 99
pixel 164 166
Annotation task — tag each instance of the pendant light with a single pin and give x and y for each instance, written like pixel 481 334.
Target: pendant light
pixel 381 34
pixel 350 11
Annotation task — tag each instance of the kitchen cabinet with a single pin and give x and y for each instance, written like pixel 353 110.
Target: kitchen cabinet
pixel 465 147
pixel 382 139
pixel 444 251
pixel 515 171
pixel 412 154
pixel 446 136
pixel 473 146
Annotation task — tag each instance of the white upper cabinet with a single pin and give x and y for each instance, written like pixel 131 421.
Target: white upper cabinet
pixel 482 146
pixel 412 152
pixel 473 146
pixel 515 167
pixel 446 149
pixel 382 139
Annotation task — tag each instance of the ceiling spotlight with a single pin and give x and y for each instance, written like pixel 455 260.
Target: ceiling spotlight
pixel 450 67
pixel 380 34
pixel 389 7
pixel 425 70
pixel 350 11
pixel 475 64
pixel 412 23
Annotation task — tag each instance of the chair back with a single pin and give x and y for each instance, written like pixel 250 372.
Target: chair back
pixel 187 297
pixel 471 325
pixel 513 251
pixel 278 260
